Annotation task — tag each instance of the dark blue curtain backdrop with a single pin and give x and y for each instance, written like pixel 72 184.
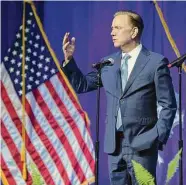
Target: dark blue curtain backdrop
pixel 90 23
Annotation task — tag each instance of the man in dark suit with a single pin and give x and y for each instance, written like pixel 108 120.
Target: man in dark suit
pixel 138 80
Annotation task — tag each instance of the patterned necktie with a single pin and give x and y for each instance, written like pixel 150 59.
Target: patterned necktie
pixel 124 70
pixel 124 77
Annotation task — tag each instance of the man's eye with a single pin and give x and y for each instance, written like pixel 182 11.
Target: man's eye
pixel 118 27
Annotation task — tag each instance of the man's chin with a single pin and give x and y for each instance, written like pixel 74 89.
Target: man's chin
pixel 116 45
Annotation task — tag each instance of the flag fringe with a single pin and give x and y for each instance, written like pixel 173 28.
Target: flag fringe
pixel 3 177
pixel 89 181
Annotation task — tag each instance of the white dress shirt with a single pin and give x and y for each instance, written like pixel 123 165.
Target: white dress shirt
pixel 133 57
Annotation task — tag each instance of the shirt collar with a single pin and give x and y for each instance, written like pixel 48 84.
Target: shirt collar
pixel 135 52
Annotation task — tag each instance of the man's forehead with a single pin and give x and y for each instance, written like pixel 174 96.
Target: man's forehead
pixel 120 20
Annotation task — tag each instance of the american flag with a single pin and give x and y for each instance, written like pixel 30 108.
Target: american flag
pixel 59 148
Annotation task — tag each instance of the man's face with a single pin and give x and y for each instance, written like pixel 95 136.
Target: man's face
pixel 121 31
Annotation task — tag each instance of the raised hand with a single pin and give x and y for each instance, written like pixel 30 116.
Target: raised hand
pixel 68 46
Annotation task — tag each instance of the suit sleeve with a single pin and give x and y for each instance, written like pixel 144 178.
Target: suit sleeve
pixel 80 82
pixel 166 99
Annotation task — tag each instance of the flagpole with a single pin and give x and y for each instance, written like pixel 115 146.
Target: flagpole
pixel 23 147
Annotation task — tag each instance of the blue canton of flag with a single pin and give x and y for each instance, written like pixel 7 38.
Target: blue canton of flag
pixel 39 66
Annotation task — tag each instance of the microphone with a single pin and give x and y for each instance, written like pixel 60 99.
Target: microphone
pixel 99 65
pixel 177 62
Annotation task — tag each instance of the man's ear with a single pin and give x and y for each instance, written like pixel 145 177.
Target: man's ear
pixel 135 31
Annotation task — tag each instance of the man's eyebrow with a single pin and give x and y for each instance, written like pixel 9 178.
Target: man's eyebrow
pixel 114 26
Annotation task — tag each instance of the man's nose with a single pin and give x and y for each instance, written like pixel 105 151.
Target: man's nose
pixel 112 33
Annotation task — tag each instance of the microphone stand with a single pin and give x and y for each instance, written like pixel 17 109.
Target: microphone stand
pixel 178 63
pixel 97 126
pixel 180 142
pixel 98 66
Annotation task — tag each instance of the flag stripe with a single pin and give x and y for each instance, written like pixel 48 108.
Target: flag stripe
pixel 59 132
pixel 34 154
pixel 76 104
pixel 73 111
pixel 69 129
pixel 11 165
pixel 72 124
pixel 54 139
pixel 13 149
pixel 15 135
pixel 30 130
pixel 9 177
pixel 49 146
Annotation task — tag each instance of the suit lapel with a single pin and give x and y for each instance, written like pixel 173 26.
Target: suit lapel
pixel 118 91
pixel 117 72
pixel 141 61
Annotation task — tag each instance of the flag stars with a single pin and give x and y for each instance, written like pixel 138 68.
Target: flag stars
pixel 40 65
pixel 9 50
pixel 29 87
pixel 20 56
pixel 11 70
pixel 20 92
pixel 27 30
pixel 31 78
pixel 14 52
pixel 30 42
pixel 29 50
pixel 16 44
pixel 33 25
pixel 34 62
pixel 25 39
pixel 37 82
pixel 19 64
pixel 41 57
pixel 45 77
pixel 31 14
pixel 12 61
pixel 35 53
pixel 18 35
pixel 42 48
pixel 38 74
pixel 32 70
pixel 16 81
pixel 46 68
pixel 52 71
pixel 17 73
pixel 32 33
pixel 27 58
pixel 37 37
pixel 36 45
pixel 29 22
pixel 47 59
pixel 20 28
pixel 6 59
